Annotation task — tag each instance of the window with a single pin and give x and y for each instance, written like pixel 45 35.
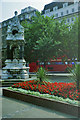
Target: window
pixel 72 9
pixel 31 14
pixel 47 11
pixel 56 15
pixel 61 13
pixel 67 11
pixel 26 16
pixel 64 21
pixel 65 5
pixel 4 24
pixel 72 19
pixel 79 8
pixel 50 68
pixel 55 8
pixel 9 22
pixel 68 20
pixel 48 63
pixel 21 18
pixel 0 25
pixel 60 21
pixel 75 1
pixel 66 63
pixel 60 63
pixel 57 63
pixel 41 63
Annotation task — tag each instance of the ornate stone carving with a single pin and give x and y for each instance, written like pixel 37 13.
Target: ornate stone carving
pixel 15 63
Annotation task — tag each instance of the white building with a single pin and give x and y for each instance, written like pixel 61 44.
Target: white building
pixel 69 10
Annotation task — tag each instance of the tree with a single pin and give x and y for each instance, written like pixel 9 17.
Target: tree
pixel 43 37
pixel 70 43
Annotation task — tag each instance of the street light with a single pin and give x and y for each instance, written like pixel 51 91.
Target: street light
pixel 78 77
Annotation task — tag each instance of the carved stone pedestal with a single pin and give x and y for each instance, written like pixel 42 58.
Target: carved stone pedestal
pixel 15 69
pixel 15 64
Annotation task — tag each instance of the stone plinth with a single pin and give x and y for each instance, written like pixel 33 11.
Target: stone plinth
pixel 15 64
pixel 15 69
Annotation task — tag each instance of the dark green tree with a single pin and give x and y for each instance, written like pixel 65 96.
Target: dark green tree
pixel 70 41
pixel 44 38
pixel 73 40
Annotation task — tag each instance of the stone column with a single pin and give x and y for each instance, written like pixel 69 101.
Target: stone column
pixel 8 52
pixel 21 53
pixel 11 53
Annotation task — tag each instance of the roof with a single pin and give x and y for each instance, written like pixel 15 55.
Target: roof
pixel 53 4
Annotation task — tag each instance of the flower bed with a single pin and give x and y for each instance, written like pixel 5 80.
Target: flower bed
pixel 65 90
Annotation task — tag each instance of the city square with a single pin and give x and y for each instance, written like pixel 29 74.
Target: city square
pixel 40 62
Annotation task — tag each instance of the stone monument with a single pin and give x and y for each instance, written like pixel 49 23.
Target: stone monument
pixel 15 64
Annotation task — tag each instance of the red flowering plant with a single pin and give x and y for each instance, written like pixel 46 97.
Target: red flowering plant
pixel 65 90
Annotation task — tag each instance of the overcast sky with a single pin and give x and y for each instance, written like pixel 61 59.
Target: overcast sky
pixel 7 7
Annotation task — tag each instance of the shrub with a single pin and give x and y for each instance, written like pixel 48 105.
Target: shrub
pixel 41 74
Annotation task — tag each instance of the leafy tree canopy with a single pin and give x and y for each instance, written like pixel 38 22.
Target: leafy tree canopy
pixel 47 37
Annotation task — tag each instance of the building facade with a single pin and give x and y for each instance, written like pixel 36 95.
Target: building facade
pixel 60 10
pixel 26 14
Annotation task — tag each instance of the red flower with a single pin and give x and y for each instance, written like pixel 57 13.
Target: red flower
pixel 59 89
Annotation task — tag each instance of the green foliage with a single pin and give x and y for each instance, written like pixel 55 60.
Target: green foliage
pixel 70 42
pixel 41 74
pixel 43 37
pixel 69 69
pixel 46 37
pixel 76 72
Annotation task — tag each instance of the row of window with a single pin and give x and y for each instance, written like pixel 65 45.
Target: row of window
pixel 21 17
pixel 67 12
pixel 55 63
pixel 56 7
pixel 9 22
pixel 68 20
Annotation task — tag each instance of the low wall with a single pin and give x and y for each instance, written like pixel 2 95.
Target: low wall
pixel 45 102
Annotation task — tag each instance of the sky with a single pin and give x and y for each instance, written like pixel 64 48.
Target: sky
pixel 7 7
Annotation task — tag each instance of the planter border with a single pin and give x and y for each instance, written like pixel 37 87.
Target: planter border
pixel 44 102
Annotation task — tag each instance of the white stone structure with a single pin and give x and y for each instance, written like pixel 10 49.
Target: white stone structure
pixel 15 64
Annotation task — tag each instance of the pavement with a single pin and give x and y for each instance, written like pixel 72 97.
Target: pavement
pixel 12 108
pixel 54 74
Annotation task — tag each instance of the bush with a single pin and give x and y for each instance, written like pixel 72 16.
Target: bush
pixel 76 72
pixel 76 75
pixel 41 74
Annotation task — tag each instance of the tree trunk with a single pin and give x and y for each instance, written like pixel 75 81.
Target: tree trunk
pixel 44 64
pixel 40 80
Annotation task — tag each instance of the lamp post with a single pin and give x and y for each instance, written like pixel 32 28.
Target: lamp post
pixel 78 77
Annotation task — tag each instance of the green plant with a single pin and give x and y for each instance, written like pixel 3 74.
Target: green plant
pixel 68 69
pixel 76 72
pixel 76 75
pixel 41 74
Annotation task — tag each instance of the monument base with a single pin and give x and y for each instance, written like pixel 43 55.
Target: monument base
pixel 15 69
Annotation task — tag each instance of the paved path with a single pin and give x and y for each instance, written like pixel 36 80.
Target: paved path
pixel 12 108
